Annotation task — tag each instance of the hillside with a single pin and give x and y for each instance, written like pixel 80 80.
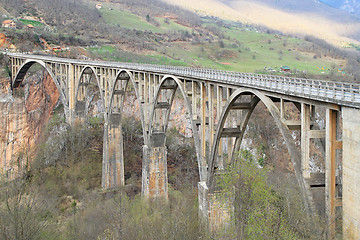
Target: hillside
pixel 292 17
pixel 160 33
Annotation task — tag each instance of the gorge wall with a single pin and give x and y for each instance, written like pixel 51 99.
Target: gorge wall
pixel 23 115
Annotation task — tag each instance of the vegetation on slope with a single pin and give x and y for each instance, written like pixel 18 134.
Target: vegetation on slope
pixel 265 206
pixel 59 195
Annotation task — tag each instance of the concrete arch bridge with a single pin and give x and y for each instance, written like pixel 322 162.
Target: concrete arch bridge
pixel 219 105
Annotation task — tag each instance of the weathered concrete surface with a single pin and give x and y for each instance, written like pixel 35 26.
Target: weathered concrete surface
pixel 351 173
pixel 214 209
pixel 154 173
pixel 203 199
pixel 113 156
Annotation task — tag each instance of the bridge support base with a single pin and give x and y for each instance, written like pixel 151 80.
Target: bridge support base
pixel 113 157
pixel 214 209
pixel 154 172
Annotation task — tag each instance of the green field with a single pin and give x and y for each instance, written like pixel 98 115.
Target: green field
pixel 127 20
pixel 103 49
pixel 112 53
pixel 171 25
pixel 32 22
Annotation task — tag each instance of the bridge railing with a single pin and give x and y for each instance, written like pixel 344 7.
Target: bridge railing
pixel 289 85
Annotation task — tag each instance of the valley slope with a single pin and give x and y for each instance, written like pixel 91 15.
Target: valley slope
pixel 292 17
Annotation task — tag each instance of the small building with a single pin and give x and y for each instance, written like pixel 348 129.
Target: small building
pixel 285 69
pixel 8 24
pixel 30 26
pixel 98 6
pixel 56 49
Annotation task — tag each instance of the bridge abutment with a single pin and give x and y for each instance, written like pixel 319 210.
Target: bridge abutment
pixel 351 173
pixel 154 172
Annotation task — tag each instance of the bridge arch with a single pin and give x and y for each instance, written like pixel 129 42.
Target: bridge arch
pixel 24 68
pixel 258 96
pixel 119 87
pixel 171 83
pixel 82 86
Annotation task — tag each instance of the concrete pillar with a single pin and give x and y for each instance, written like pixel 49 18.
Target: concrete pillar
pixel 219 109
pixel 214 209
pixel 351 173
pixel 305 140
pixel 113 154
pixel 72 92
pixel 154 172
pixel 105 163
pixel 203 121
pixel 229 140
pixel 330 168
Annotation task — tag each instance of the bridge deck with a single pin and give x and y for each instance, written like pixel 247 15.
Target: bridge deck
pixel 345 94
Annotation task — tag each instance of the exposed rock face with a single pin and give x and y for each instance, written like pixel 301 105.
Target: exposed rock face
pixel 23 117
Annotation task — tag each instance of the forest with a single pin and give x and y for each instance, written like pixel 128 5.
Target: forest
pixel 59 195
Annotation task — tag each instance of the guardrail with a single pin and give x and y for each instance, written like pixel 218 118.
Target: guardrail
pixel 308 88
pixel 335 92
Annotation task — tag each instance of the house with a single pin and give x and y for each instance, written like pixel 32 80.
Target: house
pixel 56 49
pixel 30 26
pixel 8 24
pixel 98 6
pixel 285 69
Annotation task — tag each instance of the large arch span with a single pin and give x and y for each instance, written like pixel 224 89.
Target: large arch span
pixel 23 70
pixel 256 97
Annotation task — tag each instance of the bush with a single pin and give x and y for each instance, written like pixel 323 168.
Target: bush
pixel 70 161
pixel 23 214
pixel 140 219
pixel 262 211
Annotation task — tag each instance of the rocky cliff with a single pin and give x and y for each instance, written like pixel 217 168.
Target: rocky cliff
pixel 24 114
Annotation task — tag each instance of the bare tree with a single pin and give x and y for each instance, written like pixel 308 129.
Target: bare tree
pixel 22 215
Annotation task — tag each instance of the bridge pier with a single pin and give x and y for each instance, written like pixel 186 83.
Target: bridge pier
pixel 113 154
pixel 154 172
pixel 214 209
pixel 70 110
